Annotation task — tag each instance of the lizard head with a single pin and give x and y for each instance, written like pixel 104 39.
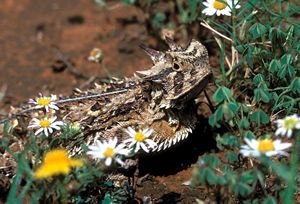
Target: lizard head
pixel 181 72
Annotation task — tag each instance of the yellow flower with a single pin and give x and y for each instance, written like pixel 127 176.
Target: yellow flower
pixel 56 162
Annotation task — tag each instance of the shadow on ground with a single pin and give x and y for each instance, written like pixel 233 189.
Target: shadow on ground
pixel 179 157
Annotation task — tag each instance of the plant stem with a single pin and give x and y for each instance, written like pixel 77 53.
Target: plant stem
pixel 290 190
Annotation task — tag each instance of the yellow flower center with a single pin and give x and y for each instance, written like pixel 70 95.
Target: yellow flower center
pixel 45 123
pixel 219 5
pixel 109 152
pixel 265 145
pixel 43 101
pixel 289 123
pixel 139 137
pixel 75 125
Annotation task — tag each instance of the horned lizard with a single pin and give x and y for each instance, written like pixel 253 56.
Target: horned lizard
pixel 160 98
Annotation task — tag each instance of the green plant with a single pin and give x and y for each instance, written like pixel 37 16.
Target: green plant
pixel 257 82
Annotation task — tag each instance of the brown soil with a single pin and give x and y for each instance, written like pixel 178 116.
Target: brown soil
pixel 36 34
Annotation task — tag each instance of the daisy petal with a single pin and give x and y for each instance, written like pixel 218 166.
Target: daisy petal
pixel 144 147
pixel 108 161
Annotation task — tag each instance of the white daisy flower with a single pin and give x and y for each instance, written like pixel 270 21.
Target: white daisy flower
pixel 95 55
pixel 287 125
pixel 138 139
pixel 108 151
pixel 219 8
pixel 45 125
pixel 45 102
pixel 268 147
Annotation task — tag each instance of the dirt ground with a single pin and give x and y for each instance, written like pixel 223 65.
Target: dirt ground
pixel 36 35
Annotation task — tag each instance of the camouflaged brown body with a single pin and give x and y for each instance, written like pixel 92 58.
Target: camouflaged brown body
pixel 161 98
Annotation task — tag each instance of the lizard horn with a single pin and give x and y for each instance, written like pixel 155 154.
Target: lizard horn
pixel 173 46
pixel 155 55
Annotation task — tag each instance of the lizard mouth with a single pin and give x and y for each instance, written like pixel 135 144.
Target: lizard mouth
pixel 193 92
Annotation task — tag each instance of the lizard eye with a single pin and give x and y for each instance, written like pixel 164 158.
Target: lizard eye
pixel 176 66
pixel 95 107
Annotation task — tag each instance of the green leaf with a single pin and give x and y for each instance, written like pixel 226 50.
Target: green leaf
pixel 290 34
pixel 231 157
pixel 213 121
pixel 277 37
pixel 269 200
pixel 286 70
pixel 281 170
pixel 184 17
pixel 229 110
pixel 249 134
pixel 252 201
pixel 286 102
pixel 258 78
pixel 295 85
pixel 274 65
pixel 227 168
pixel 249 57
pixel 193 9
pixel 5 129
pixel 246 10
pixel 260 176
pixel 225 111
pixel 261 95
pixel 25 190
pixel 244 189
pixel 245 108
pixel 107 199
pixel 201 174
pixel 219 113
pixel 248 177
pixel 211 178
pixel 227 140
pixel 286 67
pixel 84 147
pixel 14 187
pixel 258 30
pixel 274 96
pixel 234 107
pixel 211 161
pixel 244 123
pixel 129 2
pixel 222 94
pixel 221 180
pixel 259 117
pixel 216 117
pixel 286 59
pixel 232 179
pixel 240 48
pixel 109 183
pixel 261 53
